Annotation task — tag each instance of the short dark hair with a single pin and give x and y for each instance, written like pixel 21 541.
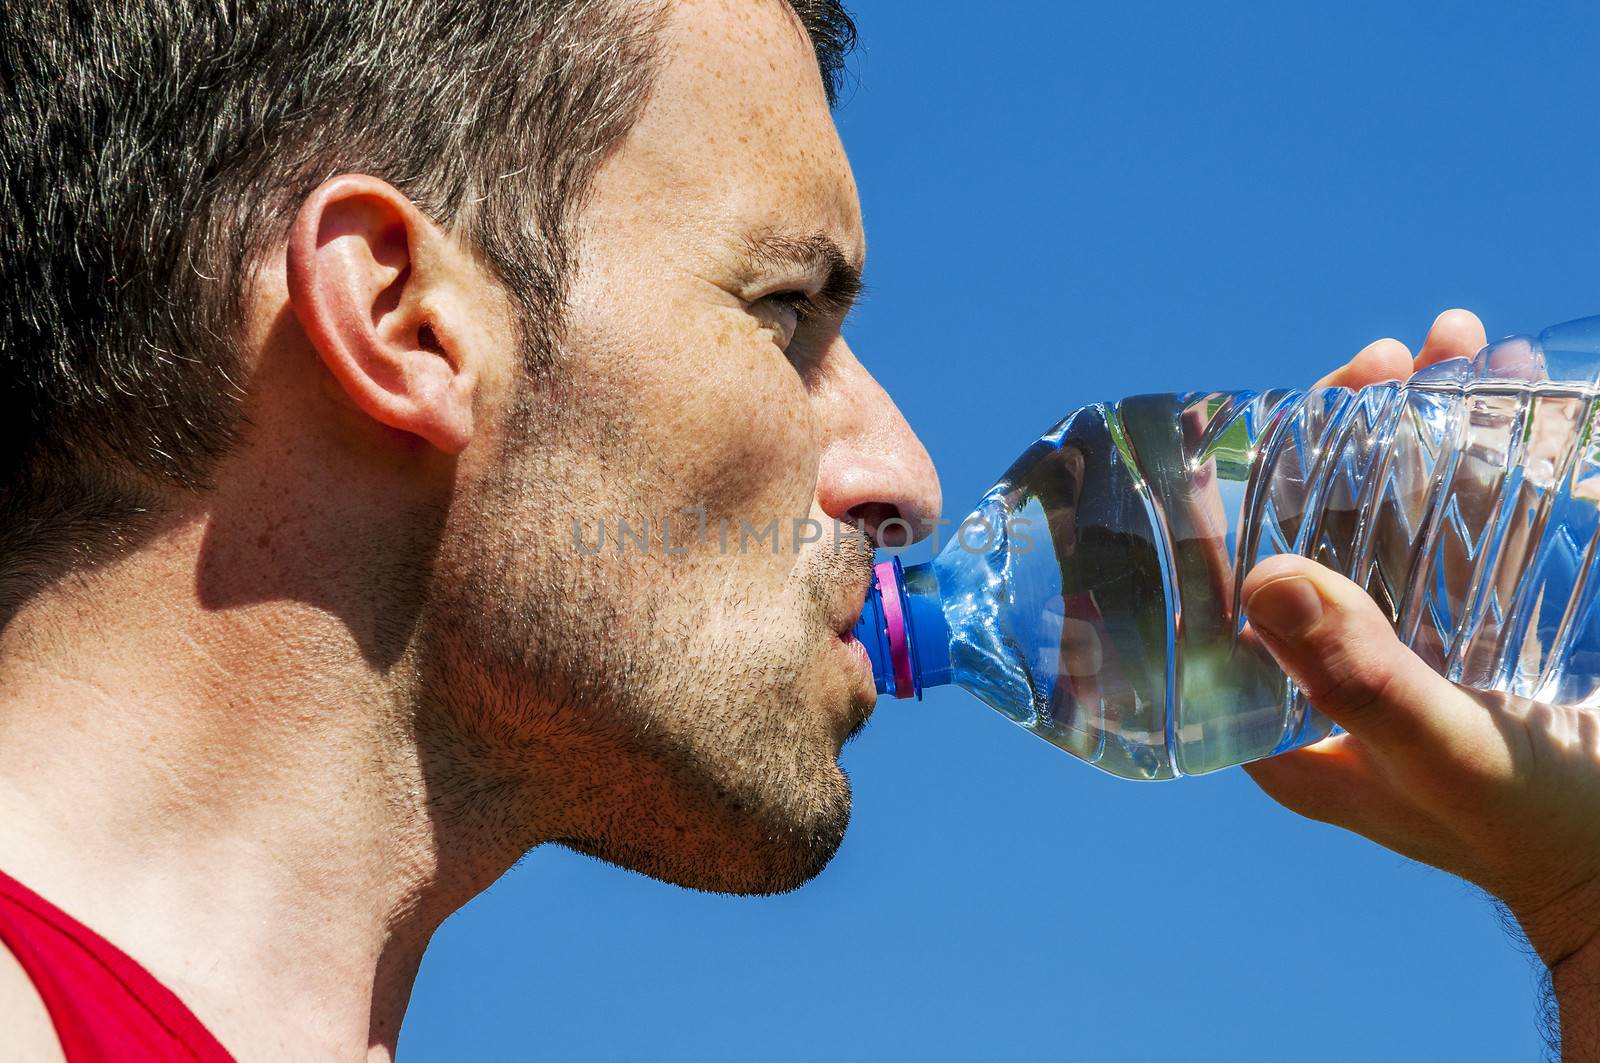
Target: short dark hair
pixel 151 149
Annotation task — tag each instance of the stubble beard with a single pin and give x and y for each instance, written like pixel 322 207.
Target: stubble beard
pixel 686 755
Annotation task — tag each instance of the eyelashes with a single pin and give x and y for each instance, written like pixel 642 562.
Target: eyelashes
pixel 830 301
pixel 802 304
pixel 790 309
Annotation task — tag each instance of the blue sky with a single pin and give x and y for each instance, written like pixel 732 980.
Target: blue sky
pixel 1067 203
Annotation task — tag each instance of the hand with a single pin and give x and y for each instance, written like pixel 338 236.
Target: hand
pixel 1455 334
pixel 1502 791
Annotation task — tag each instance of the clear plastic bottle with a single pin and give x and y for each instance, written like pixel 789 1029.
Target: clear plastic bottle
pixel 1093 595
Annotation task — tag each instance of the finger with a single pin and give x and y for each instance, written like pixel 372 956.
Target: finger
pixel 1330 637
pixel 1376 362
pixel 1455 334
pixel 1336 781
pixel 1329 781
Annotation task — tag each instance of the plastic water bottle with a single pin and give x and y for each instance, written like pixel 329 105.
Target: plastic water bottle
pixel 1094 594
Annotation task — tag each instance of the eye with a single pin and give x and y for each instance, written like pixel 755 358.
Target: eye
pixel 787 311
pixel 796 300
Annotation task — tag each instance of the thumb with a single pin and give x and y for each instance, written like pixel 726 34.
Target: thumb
pixel 1331 639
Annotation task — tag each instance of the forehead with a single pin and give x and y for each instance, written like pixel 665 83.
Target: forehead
pixel 737 133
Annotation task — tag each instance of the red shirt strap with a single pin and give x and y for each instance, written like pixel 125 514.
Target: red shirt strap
pixel 104 1005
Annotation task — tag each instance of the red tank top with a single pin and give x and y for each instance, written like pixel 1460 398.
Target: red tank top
pixel 106 1008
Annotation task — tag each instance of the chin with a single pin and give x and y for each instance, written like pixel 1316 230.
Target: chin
pixel 781 862
pixel 721 842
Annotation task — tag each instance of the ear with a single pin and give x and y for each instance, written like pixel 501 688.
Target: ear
pixel 369 279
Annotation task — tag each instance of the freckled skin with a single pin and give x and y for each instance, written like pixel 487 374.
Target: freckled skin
pixel 681 715
pixel 339 693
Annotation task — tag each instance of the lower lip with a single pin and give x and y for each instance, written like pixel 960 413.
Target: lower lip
pixel 856 650
pixel 864 696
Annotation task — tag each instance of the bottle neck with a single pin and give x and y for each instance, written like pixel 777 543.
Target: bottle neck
pixel 904 630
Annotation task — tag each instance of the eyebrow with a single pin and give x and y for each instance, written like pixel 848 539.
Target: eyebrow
pixel 816 253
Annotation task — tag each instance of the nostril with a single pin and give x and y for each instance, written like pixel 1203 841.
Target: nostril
pixel 882 523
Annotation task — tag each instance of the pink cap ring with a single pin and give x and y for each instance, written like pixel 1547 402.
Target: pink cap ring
pixel 894 618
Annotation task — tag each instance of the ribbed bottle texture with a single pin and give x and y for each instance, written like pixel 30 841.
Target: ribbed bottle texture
pixel 1095 596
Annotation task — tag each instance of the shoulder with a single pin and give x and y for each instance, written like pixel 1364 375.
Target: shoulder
pixel 30 1035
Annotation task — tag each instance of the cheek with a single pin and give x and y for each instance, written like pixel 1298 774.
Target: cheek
pixel 757 445
pixel 700 408
pixel 729 423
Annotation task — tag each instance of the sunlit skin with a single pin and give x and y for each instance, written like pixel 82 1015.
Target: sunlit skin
pixel 1502 791
pixel 693 389
pixel 268 753
pixel 271 751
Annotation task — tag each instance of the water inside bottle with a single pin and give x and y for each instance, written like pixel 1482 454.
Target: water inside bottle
pixel 1095 596
pixel 1103 617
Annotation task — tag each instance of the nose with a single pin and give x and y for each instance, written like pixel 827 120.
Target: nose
pixel 874 470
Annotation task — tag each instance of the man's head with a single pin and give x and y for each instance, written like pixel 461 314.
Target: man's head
pixel 436 319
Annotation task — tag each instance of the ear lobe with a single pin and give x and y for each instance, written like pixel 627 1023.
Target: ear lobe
pixel 364 282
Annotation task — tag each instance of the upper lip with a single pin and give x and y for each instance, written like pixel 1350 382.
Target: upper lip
pixel 852 600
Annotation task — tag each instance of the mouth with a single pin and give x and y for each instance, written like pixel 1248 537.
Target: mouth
pixel 843 624
pixel 853 599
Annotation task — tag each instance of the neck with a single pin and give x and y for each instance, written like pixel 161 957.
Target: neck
pixel 232 795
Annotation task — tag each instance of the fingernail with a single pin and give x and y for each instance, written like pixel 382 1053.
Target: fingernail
pixel 1286 607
